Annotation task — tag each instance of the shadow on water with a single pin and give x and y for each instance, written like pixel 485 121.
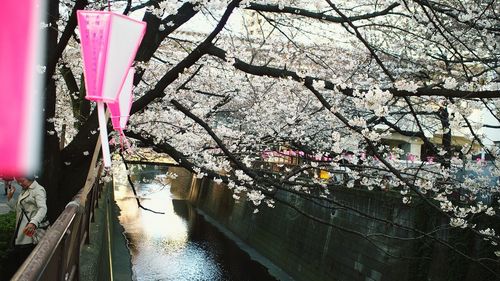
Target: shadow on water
pixel 180 244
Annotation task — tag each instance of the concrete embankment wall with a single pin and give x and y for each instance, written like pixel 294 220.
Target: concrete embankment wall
pixel 310 251
pixel 305 249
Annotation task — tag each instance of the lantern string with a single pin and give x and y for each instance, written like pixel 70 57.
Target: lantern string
pixel 121 140
pixel 124 143
pixel 109 6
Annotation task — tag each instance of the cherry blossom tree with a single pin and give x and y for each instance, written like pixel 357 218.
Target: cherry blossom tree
pixel 225 87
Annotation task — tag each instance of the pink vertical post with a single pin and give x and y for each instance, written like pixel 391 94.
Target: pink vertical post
pixel 21 53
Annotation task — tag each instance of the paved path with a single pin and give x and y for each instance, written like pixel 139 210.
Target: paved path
pixel 3 198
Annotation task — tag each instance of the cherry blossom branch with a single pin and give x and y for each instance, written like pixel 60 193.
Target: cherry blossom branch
pixel 457 39
pixel 319 16
pixel 128 7
pixel 363 40
pixel 324 102
pixel 132 185
pixel 219 142
pixel 153 38
pixel 452 12
pixel 490 110
pixel 182 160
pixel 234 160
pixel 420 134
pixel 475 136
pixel 397 173
pixel 187 62
pixel 55 56
pixel 285 73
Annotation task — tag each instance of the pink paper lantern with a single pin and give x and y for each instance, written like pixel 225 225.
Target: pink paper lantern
pixel 120 110
pixel 21 55
pixel 109 43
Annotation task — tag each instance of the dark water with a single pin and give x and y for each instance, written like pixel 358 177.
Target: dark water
pixel 180 244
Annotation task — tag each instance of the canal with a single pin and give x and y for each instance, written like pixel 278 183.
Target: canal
pixel 179 244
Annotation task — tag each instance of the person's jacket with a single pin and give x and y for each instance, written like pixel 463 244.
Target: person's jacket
pixel 33 201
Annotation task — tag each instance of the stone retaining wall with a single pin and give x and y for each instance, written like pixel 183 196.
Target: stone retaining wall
pixel 310 251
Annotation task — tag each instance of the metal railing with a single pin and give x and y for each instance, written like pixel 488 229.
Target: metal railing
pixel 57 256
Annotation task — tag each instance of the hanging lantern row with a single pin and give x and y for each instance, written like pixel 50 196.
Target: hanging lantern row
pixel 109 43
pixel 348 156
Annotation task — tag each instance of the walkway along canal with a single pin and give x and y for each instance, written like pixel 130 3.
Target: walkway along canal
pixel 179 244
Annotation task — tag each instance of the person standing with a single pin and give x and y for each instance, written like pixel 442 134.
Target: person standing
pixel 31 215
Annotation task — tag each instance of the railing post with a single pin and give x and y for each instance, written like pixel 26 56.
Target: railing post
pixel 64 253
pixel 86 221
pixel 94 199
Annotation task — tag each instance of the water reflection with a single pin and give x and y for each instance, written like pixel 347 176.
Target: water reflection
pixel 178 245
